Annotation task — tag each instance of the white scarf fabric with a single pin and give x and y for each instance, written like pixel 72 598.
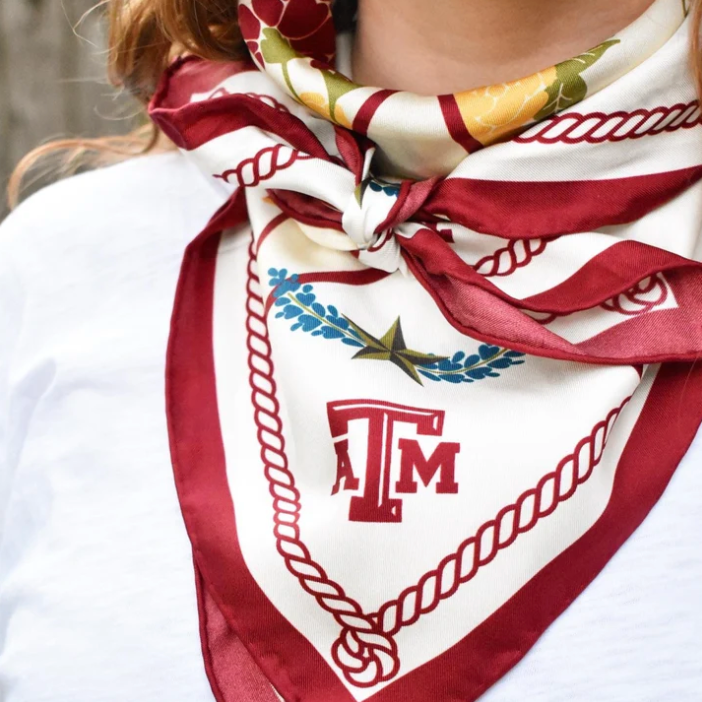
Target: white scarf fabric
pixel 458 371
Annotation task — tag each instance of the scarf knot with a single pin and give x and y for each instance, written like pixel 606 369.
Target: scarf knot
pixel 374 225
pixel 352 210
pixel 367 214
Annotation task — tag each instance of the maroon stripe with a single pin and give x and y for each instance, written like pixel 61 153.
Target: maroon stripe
pixel 193 125
pixel 484 316
pixel 193 75
pixel 362 277
pixel 236 676
pixel 306 209
pixel 611 272
pixel 678 329
pixel 273 224
pixel 528 210
pixel 363 117
pixel 456 125
pixel 475 307
pixel 367 276
pixel 606 275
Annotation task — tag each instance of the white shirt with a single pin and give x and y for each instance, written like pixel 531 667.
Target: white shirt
pixel 97 596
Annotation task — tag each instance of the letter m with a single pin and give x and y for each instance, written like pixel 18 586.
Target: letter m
pixel 442 461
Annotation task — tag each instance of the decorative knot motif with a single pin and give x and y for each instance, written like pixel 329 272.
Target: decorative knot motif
pixel 366 654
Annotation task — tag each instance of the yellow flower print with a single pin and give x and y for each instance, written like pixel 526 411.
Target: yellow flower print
pixel 496 112
pixel 320 104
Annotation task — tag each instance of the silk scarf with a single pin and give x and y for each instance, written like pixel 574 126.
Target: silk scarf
pixel 433 360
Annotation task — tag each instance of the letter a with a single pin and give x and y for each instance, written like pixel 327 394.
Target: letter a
pixel 344 469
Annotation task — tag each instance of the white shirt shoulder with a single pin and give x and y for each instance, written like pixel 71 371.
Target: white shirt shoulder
pixel 73 246
pixel 109 209
pixel 97 596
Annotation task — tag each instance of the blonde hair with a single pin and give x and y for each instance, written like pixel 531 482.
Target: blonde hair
pixel 143 37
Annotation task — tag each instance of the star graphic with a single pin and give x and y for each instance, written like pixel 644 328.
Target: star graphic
pixel 391 347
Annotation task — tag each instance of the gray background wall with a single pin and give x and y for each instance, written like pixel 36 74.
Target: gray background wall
pixel 52 78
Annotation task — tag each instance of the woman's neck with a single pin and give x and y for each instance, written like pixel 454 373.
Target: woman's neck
pixel 446 46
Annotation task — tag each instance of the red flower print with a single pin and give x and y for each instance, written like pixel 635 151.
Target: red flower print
pixel 306 24
pixel 250 29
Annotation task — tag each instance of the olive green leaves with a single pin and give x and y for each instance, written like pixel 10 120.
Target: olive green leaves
pixel 569 86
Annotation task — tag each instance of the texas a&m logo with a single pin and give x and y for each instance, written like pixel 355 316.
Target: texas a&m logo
pixel 379 501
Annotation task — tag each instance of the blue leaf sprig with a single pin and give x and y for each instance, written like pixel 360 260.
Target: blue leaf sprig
pixel 467 368
pixel 298 303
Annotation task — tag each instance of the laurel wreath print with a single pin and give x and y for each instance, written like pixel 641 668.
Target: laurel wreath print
pixel 298 303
